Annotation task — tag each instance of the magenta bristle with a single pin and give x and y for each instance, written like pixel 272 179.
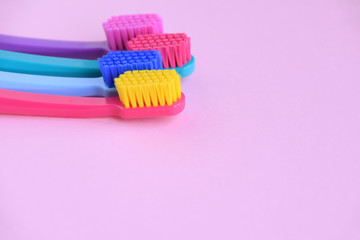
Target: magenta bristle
pixel 174 47
pixel 120 29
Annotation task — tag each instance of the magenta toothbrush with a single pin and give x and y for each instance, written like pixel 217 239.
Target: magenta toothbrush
pixel 119 30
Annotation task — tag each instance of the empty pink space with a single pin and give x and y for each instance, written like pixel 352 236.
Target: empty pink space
pixel 266 148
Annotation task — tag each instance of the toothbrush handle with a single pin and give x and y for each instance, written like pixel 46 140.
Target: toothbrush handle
pixel 65 86
pixel 50 66
pixel 67 49
pixel 34 104
pixel 22 103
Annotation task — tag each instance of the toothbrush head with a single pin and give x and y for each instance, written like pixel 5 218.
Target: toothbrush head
pixel 120 29
pixel 115 63
pixel 147 88
pixel 174 47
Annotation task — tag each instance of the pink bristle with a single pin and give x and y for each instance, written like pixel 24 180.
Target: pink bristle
pixel 164 56
pixel 120 29
pixel 174 48
pixel 110 37
pixel 188 49
pixel 184 54
pixel 179 59
pixel 172 56
pixel 131 34
pixel 123 34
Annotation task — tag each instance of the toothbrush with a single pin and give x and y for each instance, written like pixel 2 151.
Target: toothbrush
pixel 111 65
pixel 142 94
pixel 118 30
pixel 64 67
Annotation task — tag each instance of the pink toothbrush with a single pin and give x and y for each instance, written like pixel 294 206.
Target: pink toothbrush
pixel 33 104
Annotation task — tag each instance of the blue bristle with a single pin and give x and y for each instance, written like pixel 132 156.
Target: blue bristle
pixel 115 63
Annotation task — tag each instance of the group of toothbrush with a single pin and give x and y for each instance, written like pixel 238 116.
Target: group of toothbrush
pixel 137 73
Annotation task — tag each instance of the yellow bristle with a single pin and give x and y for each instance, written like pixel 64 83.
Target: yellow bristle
pixel 160 93
pixel 173 89
pixel 178 86
pixel 146 94
pixel 139 95
pixel 131 94
pixel 153 95
pixel 146 88
pixel 167 92
pixel 121 88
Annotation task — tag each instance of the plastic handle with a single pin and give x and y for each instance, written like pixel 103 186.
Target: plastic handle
pixel 44 65
pixel 65 86
pixel 67 49
pixel 24 103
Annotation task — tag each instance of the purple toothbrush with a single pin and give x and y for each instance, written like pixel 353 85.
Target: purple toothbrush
pixel 118 30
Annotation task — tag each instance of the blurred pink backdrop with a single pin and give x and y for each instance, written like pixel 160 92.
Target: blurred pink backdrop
pixel 268 146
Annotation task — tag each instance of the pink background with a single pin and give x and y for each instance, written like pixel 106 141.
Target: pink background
pixel 268 146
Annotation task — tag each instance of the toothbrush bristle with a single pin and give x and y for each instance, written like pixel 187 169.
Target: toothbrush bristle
pixel 174 47
pixel 120 29
pixel 148 88
pixel 115 63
